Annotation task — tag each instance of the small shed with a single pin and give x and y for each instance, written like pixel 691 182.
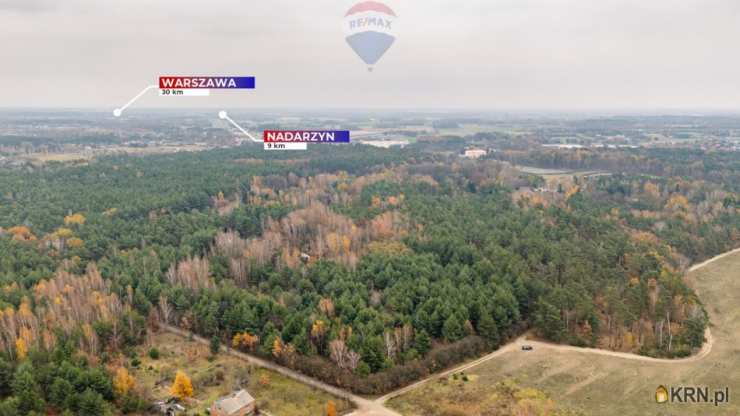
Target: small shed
pixel 238 403
pixel 169 408
pixel 475 153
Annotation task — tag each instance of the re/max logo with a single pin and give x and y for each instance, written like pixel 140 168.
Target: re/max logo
pixel 370 22
pixel 688 394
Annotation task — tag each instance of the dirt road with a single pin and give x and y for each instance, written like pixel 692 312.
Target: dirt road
pixel 368 407
pixel 517 344
pixel 365 407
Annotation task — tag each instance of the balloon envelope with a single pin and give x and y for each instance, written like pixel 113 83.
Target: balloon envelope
pixel 370 46
pixel 369 27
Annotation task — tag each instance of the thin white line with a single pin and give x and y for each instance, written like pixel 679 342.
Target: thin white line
pixel 225 116
pixel 118 111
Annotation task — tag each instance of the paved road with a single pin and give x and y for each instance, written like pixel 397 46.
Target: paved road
pixel 367 407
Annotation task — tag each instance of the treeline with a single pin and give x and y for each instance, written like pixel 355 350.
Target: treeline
pixel 722 168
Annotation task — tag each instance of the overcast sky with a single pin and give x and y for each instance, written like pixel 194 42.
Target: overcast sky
pixel 482 54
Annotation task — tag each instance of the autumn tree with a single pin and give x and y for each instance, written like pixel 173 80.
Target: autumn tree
pixel 338 351
pixel 245 340
pixel 123 382
pixel 193 273
pixel 331 409
pixel 74 219
pixel 277 347
pixel 21 349
pixel 318 332
pixel 21 233
pixel 182 388
pixel 326 306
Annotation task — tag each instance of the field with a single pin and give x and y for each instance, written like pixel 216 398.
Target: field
pixel 602 385
pixel 84 156
pixel 278 395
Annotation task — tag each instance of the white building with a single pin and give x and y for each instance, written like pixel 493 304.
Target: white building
pixel 475 153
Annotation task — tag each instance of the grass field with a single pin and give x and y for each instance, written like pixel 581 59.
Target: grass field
pixel 605 386
pixel 84 156
pixel 212 379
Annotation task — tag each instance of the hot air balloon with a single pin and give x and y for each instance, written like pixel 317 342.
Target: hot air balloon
pixel 369 29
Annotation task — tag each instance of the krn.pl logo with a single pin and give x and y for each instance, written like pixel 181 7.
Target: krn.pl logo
pixel 661 394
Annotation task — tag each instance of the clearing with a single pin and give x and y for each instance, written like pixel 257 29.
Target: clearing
pixel 602 384
pixel 213 378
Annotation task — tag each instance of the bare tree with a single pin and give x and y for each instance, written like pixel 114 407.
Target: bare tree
pixel 338 350
pixel 353 359
pixel 165 310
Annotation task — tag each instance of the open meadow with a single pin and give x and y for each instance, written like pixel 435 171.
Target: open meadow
pixel 604 385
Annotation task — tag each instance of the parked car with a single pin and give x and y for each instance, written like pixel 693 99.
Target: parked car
pixel 527 348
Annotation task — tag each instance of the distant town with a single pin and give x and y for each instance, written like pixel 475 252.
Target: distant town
pixel 76 136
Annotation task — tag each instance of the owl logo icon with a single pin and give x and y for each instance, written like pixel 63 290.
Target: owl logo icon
pixel 661 394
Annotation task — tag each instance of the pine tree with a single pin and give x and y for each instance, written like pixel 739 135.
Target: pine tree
pixel 92 404
pixel 27 390
pixel 373 354
pixel 61 393
pixel 6 377
pixel 548 322
pixel 487 329
pixel 453 329
pixel 215 345
pixel 423 342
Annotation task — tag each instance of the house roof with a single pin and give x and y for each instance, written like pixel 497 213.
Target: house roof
pixel 234 402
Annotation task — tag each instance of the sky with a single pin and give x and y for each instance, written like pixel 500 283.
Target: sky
pixel 471 54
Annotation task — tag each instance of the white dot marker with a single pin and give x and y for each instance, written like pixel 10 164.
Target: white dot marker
pixel 117 112
pixel 222 115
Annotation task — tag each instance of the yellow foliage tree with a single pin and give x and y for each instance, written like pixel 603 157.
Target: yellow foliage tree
pixel 277 347
pixel 63 232
pixel 572 191
pixel 21 233
pixel 331 409
pixel 245 340
pixel 123 381
pixel 236 342
pixel 318 329
pixel 74 219
pixel 652 190
pixel 678 202
pixel 21 349
pixel 75 242
pixel 628 341
pixel 182 388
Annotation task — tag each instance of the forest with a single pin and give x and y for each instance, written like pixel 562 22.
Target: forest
pixel 366 268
